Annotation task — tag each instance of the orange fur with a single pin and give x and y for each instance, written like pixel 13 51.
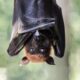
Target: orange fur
pixel 34 57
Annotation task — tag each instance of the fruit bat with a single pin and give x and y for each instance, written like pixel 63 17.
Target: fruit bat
pixel 37 26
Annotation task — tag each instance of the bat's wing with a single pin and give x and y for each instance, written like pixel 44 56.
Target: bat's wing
pixel 36 15
pixel 31 15
pixel 17 44
pixel 59 32
pixel 17 40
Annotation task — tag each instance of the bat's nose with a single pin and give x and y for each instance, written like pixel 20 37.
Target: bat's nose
pixel 37 33
pixel 37 36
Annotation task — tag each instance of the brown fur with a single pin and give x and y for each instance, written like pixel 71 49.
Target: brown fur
pixel 35 57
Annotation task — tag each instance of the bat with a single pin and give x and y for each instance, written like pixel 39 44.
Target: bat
pixel 38 25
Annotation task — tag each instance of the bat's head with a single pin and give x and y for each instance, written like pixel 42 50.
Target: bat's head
pixel 39 44
pixel 38 48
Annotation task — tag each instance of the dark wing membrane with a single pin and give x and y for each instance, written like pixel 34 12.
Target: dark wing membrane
pixel 36 14
pixel 36 25
pixel 16 19
pixel 17 44
pixel 60 32
pixel 17 11
pixel 14 36
pixel 17 41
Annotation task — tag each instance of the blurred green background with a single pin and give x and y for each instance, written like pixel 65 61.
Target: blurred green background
pixel 67 68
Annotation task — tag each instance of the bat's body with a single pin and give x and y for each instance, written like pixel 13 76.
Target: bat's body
pixel 37 25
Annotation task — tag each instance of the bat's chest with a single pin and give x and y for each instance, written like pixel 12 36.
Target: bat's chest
pixel 36 58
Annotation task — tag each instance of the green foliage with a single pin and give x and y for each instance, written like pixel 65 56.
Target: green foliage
pixel 74 56
pixel 5 28
pixel 76 6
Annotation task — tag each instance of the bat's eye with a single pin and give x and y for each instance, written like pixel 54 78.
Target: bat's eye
pixel 42 50
pixel 32 50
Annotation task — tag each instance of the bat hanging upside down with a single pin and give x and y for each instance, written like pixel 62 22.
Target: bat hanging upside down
pixel 37 26
pixel 38 49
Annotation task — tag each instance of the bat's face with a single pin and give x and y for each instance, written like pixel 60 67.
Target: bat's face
pixel 38 49
pixel 39 45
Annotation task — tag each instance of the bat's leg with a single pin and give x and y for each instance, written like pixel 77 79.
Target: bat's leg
pixel 50 61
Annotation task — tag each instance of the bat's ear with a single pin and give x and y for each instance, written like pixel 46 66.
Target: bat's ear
pixel 50 61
